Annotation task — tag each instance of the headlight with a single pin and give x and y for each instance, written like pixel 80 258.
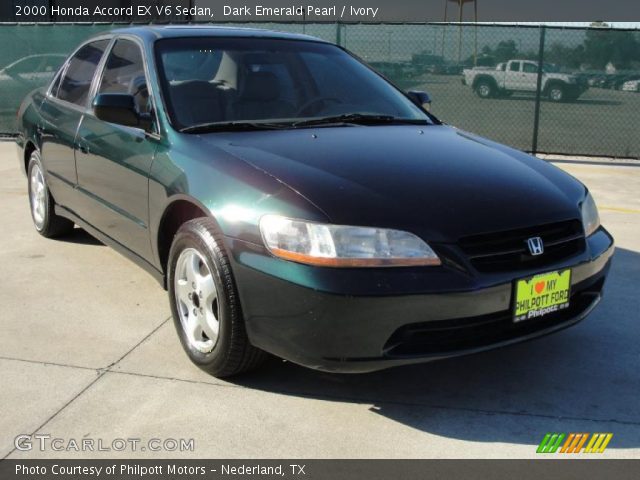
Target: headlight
pixel 343 246
pixel 590 217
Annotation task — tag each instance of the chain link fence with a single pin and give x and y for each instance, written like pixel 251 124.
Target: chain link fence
pixel 572 91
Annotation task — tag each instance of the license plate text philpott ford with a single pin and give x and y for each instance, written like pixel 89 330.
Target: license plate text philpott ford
pixel 542 294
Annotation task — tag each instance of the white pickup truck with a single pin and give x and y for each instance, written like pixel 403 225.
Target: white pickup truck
pixel 521 76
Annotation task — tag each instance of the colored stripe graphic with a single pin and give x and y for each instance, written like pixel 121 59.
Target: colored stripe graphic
pixel 606 442
pixel 574 442
pixel 589 448
pixel 543 443
pixel 581 442
pixel 550 443
pixel 567 443
pixel 598 442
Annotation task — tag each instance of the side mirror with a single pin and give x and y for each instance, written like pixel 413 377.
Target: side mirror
pixel 120 108
pixel 421 99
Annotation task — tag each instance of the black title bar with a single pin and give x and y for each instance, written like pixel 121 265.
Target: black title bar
pixel 320 10
pixel 584 469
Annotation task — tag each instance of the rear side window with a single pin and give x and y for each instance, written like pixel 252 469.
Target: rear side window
pixel 530 68
pixel 76 83
pixel 124 73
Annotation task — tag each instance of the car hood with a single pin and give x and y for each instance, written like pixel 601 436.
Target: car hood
pixel 435 181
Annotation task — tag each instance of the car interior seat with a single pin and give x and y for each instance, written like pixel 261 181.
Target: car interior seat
pixel 259 98
pixel 197 101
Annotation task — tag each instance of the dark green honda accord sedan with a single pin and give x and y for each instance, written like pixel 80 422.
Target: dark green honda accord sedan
pixel 293 201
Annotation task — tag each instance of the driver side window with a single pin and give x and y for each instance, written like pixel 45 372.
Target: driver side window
pixel 124 73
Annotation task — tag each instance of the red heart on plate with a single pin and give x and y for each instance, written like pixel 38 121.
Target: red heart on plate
pixel 539 287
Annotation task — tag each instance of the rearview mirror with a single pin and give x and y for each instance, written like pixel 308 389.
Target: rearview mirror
pixel 120 108
pixel 421 99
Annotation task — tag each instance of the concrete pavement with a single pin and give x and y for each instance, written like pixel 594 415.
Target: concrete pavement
pixel 88 351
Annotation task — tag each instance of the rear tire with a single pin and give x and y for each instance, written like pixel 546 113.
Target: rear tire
pixel 41 203
pixel 485 89
pixel 205 304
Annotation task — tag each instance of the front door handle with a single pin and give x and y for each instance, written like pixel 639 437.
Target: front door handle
pixel 83 148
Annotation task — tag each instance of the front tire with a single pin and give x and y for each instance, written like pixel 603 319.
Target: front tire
pixel 205 304
pixel 557 93
pixel 47 223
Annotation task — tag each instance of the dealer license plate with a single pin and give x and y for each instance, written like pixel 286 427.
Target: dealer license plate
pixel 541 295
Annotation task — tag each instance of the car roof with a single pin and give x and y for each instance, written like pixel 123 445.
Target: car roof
pixel 155 32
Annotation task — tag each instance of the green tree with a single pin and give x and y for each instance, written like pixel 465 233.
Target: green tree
pixel 560 54
pixel 603 46
pixel 505 51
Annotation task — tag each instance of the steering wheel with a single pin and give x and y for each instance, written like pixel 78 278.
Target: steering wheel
pixel 307 105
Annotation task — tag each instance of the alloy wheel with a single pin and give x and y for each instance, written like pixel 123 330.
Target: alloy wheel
pixel 38 196
pixel 196 299
pixel 556 94
pixel 484 90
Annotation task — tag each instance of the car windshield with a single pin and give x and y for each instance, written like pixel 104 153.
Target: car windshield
pixel 210 82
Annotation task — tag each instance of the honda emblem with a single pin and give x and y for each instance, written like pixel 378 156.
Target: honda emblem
pixel 536 247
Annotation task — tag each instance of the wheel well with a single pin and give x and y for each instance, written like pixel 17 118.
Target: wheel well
pixel 485 79
pixel 175 215
pixel 553 83
pixel 29 148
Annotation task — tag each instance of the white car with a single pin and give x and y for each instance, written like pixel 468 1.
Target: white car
pixel 631 86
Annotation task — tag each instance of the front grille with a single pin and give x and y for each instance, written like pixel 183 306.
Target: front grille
pixel 507 250
pixel 446 336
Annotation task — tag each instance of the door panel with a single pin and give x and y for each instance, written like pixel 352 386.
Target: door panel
pixel 113 161
pixel 513 76
pixel 58 132
pixel 529 76
pixel 113 164
pixel 61 113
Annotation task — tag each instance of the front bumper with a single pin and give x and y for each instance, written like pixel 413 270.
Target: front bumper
pixel 355 321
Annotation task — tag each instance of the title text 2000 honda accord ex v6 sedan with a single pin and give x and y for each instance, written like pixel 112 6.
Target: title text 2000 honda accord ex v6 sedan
pixel 293 201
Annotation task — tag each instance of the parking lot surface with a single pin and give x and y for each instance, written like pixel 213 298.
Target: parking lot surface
pixel 600 121
pixel 88 351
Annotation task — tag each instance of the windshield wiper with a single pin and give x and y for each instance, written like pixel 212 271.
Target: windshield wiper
pixel 232 126
pixel 358 119
pixel 347 118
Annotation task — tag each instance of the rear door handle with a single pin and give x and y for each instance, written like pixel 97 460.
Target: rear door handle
pixel 83 148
